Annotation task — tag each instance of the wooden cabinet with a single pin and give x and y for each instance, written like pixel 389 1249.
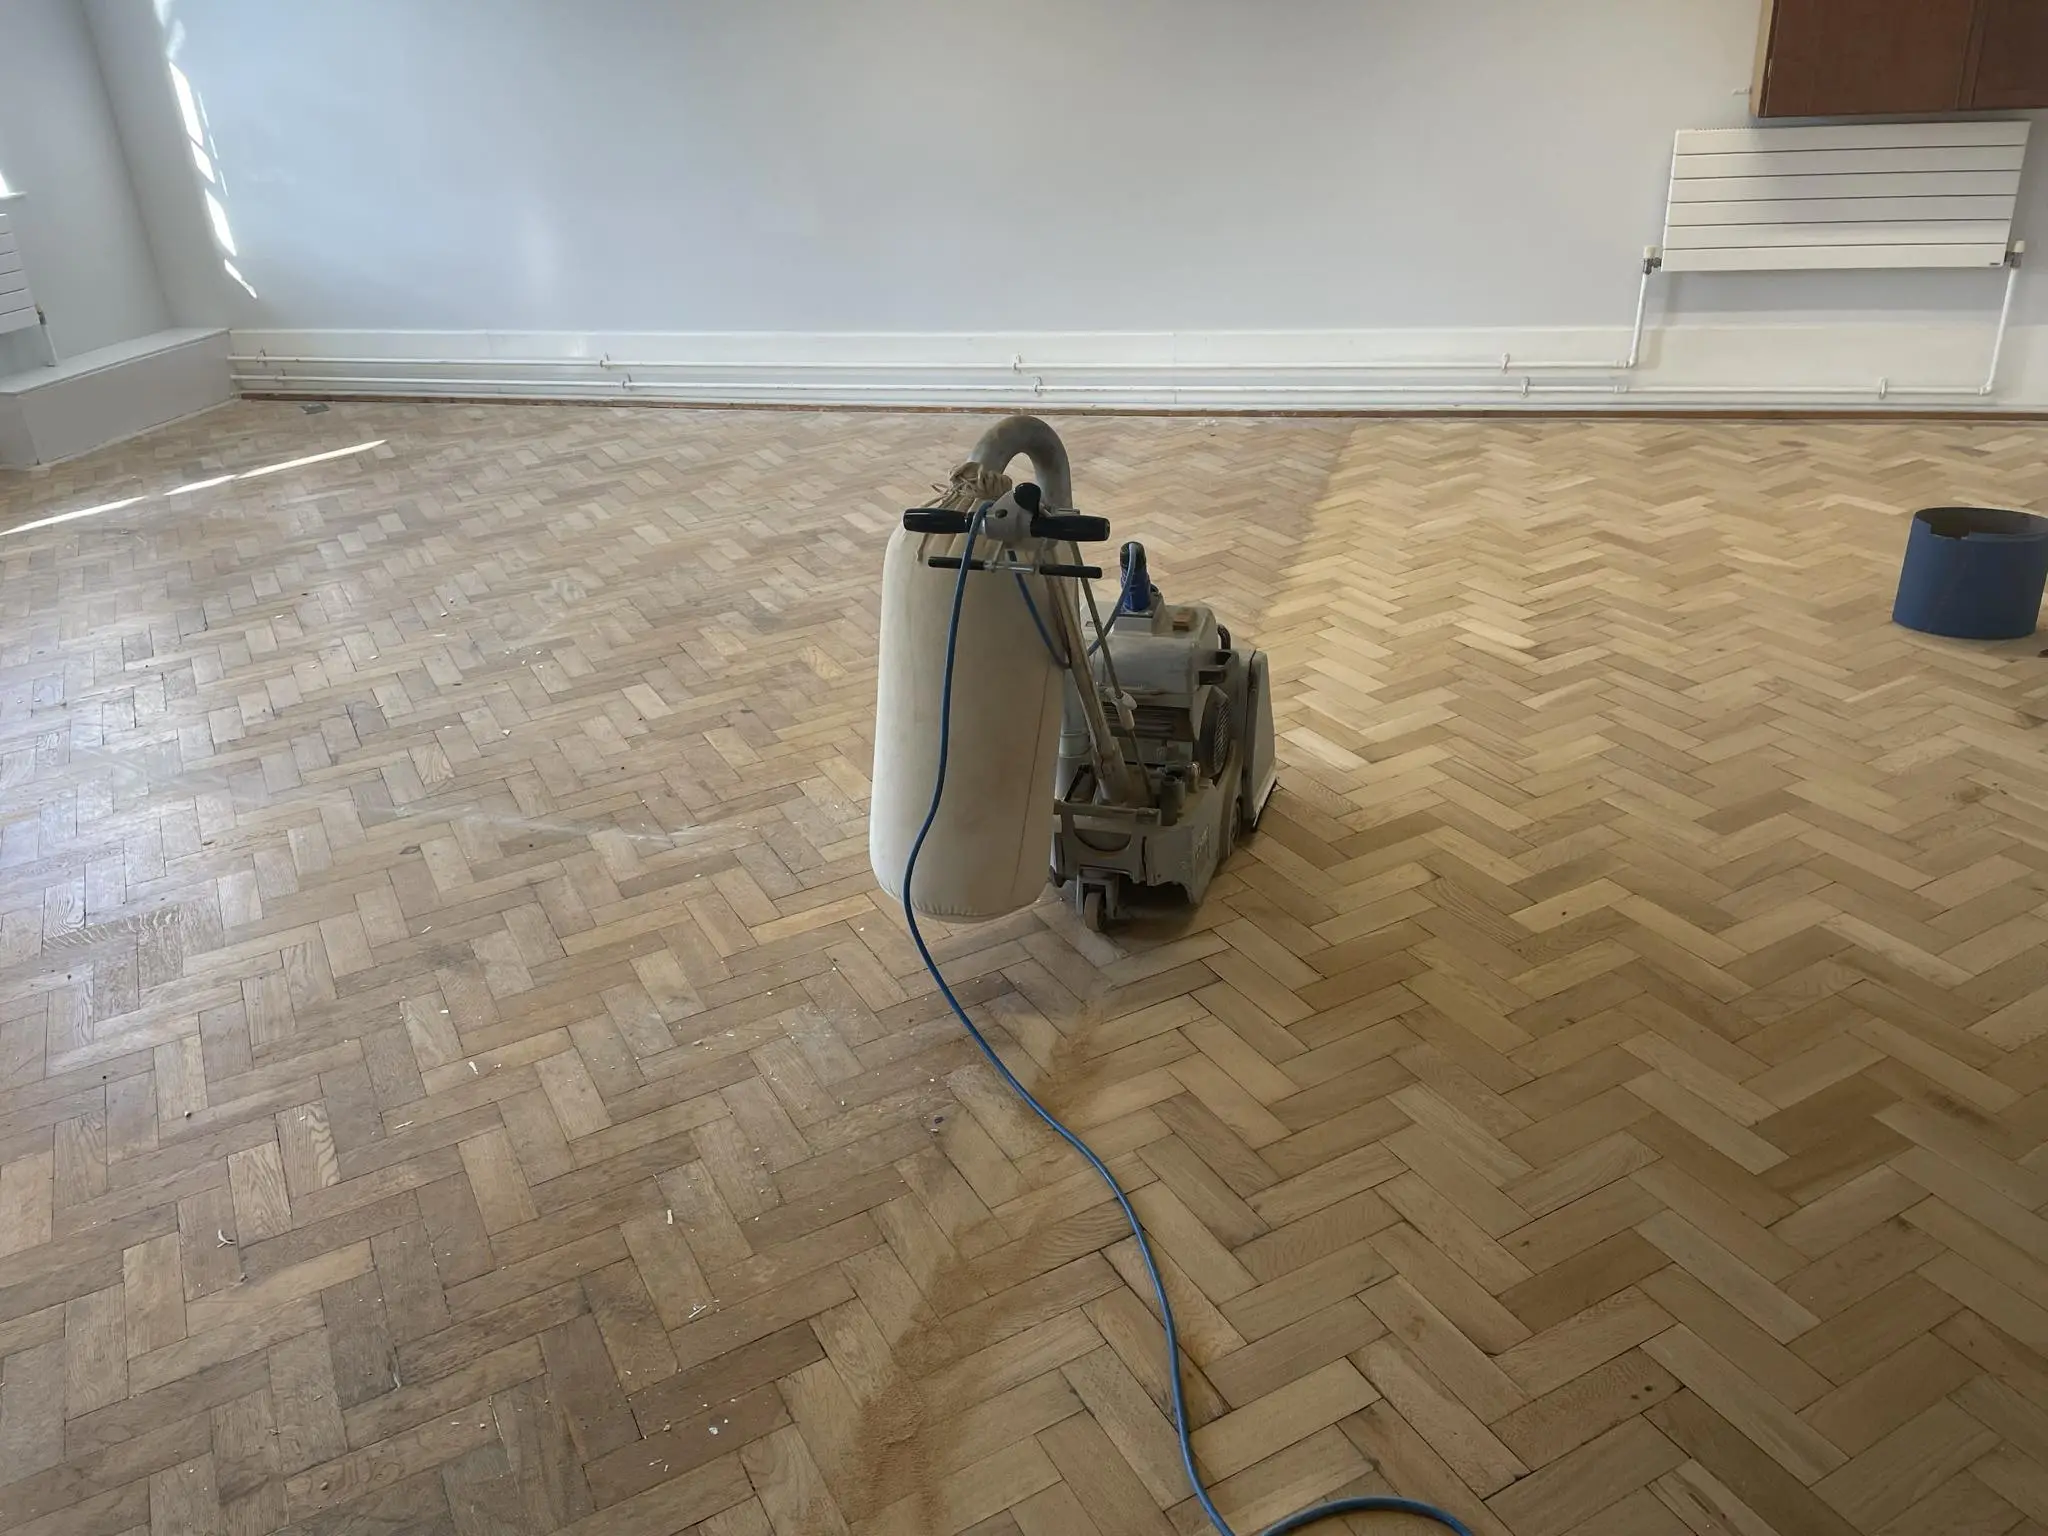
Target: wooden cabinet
pixel 2009 55
pixel 1851 58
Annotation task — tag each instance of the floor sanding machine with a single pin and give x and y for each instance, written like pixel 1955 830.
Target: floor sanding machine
pixel 1143 743
pixel 1144 751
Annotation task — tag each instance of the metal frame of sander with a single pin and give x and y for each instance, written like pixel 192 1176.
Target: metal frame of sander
pixel 1166 746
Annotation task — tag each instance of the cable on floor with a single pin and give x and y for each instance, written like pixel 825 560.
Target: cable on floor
pixel 1359 1504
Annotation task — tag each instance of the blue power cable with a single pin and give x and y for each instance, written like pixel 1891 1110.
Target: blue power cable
pixel 1039 624
pixel 1046 635
pixel 1361 1504
pixel 1102 638
pixel 1052 650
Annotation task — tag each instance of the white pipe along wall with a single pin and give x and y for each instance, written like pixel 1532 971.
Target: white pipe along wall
pixel 1194 203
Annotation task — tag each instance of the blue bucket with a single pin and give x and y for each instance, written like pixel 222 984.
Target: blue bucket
pixel 1973 573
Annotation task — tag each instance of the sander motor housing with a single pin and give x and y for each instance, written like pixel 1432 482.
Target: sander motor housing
pixel 1196 721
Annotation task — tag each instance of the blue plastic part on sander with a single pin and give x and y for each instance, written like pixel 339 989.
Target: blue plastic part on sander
pixel 1973 573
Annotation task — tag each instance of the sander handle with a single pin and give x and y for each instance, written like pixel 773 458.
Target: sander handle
pixel 952 563
pixel 1070 527
pixel 935 520
pixel 1066 527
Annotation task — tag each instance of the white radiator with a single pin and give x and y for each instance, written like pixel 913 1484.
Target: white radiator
pixel 17 305
pixel 1865 195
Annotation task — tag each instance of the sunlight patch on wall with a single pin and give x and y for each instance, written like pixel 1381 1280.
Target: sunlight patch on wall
pixel 205 159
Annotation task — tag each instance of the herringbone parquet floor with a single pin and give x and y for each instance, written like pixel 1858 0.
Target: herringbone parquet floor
pixel 456 1074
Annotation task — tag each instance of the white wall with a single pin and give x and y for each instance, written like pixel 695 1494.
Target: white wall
pixel 1444 175
pixel 82 239
pixel 131 46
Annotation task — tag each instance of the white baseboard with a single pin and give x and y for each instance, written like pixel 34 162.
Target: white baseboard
pixel 1846 364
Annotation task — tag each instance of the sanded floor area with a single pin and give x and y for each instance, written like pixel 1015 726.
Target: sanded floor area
pixel 458 1076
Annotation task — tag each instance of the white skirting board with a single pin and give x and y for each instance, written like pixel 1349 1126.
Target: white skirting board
pixel 101 397
pixel 1904 365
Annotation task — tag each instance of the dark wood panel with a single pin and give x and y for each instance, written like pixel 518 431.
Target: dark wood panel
pixel 2009 59
pixel 1834 58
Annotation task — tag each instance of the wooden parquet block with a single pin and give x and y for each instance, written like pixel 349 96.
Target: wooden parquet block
pixel 456 1072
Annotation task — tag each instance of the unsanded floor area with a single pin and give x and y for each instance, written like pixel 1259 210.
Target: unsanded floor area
pixel 457 1074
